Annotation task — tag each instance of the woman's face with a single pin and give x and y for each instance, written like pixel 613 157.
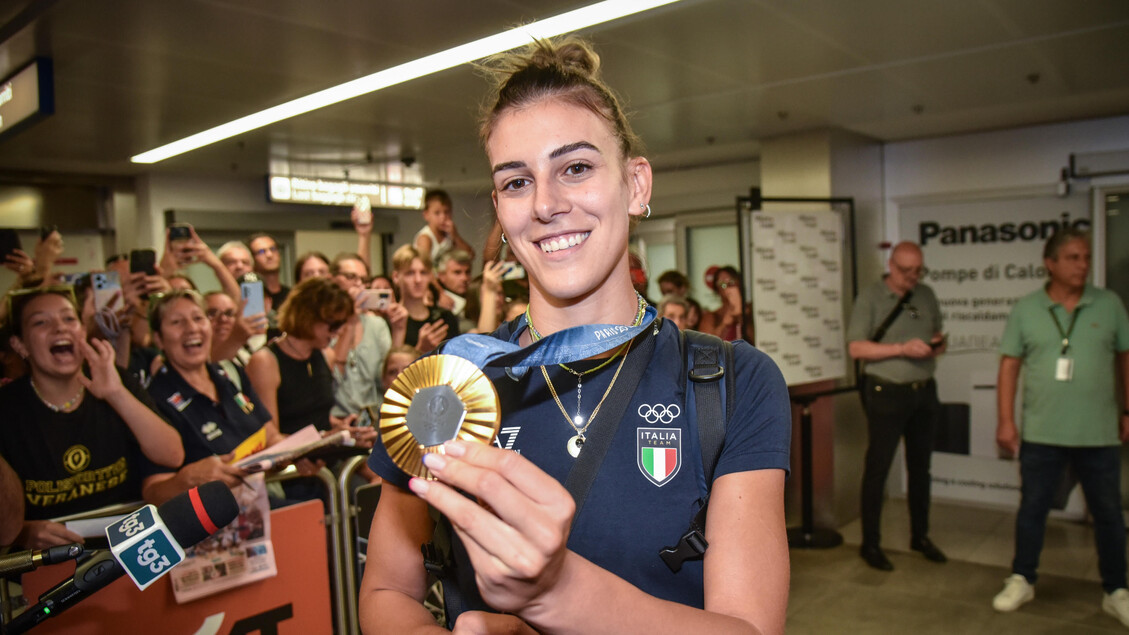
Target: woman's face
pixel 381 282
pixel 51 333
pixel 395 365
pixel 222 313
pixel 563 196
pixel 728 288
pixel 186 334
pixel 324 332
pixel 675 313
pixel 314 267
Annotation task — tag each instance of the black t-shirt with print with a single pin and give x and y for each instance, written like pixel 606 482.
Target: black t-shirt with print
pixel 71 462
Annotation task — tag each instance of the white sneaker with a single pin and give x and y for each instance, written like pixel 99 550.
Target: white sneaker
pixel 1017 592
pixel 1117 605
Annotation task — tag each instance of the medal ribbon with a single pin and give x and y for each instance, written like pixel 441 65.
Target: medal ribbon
pixel 570 345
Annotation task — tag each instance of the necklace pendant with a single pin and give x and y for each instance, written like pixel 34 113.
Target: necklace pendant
pixel 578 421
pixel 575 444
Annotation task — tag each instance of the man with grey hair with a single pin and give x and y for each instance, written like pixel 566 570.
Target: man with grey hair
pixel 1070 339
pixel 236 257
pixel 895 328
pixel 453 273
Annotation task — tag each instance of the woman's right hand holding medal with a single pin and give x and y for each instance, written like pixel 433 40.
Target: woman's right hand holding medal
pixel 517 538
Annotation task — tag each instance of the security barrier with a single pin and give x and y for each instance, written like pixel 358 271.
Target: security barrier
pixel 309 595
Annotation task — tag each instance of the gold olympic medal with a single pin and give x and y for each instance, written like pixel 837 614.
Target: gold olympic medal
pixel 437 399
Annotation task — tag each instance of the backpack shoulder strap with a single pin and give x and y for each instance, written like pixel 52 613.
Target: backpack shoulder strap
pixel 709 359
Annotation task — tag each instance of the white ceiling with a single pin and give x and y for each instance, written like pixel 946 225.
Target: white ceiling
pixel 706 79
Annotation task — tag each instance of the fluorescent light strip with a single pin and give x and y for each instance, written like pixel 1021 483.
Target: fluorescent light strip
pixel 565 23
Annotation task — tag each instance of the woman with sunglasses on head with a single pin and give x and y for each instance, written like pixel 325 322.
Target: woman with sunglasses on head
pixel 730 320
pixel 213 408
pixel 76 441
pixel 569 181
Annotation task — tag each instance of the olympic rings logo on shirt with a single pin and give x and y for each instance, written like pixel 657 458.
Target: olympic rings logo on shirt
pixel 659 412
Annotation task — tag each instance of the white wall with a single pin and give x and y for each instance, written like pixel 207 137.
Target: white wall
pixel 992 161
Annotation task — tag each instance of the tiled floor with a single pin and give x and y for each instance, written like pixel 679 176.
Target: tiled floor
pixel 833 591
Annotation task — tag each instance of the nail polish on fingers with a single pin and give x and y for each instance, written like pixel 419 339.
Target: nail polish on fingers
pixel 434 462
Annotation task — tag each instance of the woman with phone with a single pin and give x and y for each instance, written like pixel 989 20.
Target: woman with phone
pixel 731 320
pixel 76 440
pixel 569 181
pixel 213 408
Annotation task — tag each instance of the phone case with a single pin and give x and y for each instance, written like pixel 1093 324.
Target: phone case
pixel 106 285
pixel 143 260
pixel 253 294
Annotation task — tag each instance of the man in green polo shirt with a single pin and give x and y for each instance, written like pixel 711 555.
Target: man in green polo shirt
pixel 1069 339
pixel 895 328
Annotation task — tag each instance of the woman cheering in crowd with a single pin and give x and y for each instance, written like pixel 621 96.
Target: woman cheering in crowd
pixel 569 181
pixel 75 441
pixel 213 409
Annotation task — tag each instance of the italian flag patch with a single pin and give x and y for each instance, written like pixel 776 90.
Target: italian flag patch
pixel 659 453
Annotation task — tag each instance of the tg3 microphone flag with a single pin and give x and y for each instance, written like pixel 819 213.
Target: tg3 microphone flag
pixel 148 542
pixel 146 545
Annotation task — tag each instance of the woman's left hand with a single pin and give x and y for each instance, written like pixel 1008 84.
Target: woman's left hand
pixel 517 538
pixel 104 381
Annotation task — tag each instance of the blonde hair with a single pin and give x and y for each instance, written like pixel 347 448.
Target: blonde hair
pixel 402 258
pixel 566 69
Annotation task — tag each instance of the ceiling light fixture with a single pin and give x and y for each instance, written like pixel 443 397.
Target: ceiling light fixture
pixel 565 23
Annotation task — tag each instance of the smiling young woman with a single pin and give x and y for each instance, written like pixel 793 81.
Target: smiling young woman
pixel 569 181
pixel 76 441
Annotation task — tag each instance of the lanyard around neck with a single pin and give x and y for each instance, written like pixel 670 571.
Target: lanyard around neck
pixel 1065 335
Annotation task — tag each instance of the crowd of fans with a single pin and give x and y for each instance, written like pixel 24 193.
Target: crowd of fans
pixel 143 388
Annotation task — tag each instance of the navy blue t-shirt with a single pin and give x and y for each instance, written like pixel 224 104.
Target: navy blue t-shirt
pixel 649 485
pixel 207 427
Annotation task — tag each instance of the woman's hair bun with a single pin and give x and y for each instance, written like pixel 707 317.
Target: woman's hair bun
pixel 571 55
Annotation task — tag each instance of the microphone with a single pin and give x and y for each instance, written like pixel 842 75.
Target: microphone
pixel 145 545
pixel 28 560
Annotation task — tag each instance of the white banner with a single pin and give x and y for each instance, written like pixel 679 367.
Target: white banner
pixel 982 256
pixel 797 288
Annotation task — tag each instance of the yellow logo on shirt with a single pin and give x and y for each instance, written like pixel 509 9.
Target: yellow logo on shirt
pixel 76 458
